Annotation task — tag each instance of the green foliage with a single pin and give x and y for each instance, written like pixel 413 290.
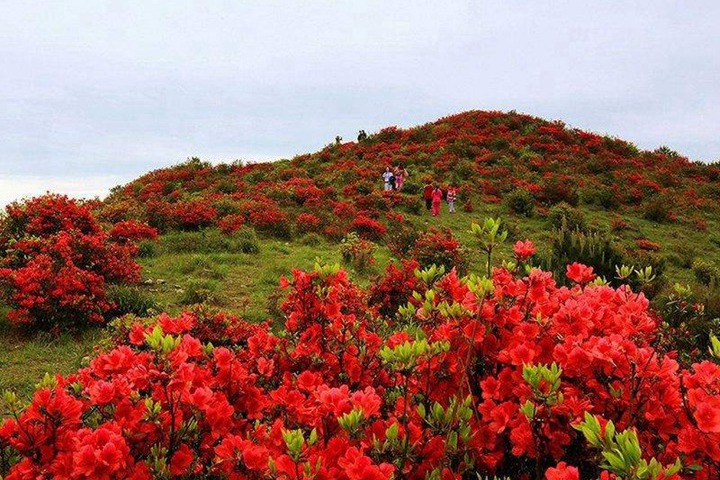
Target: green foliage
pixel 705 272
pixel 200 291
pixel 563 215
pixel 130 299
pixel 601 196
pixel 691 317
pixel 658 209
pixel 490 235
pixel 311 239
pixel 357 252
pixel 147 248
pixel 594 249
pixel 521 202
pixel 246 240
pixel 621 452
pixel 209 241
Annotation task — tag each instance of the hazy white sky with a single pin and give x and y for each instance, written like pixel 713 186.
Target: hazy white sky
pixel 95 93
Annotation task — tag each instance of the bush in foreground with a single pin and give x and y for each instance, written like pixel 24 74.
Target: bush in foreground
pixel 509 375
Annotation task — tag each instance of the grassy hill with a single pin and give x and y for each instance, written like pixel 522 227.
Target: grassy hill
pixel 655 208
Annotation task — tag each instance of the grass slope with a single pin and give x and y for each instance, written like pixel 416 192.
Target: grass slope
pixel 243 282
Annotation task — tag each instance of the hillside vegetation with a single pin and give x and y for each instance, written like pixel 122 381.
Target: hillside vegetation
pixel 293 320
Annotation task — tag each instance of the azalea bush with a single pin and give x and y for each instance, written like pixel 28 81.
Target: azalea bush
pixel 440 247
pixel 357 252
pixel 56 261
pixel 507 375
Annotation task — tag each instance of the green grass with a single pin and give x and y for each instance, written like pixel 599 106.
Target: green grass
pixel 243 282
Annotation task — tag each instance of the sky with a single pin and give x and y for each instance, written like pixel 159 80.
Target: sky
pixel 96 93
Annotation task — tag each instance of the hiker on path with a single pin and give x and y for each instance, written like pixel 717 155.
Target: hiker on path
pixel 387 177
pixel 400 176
pixel 427 195
pixel 451 197
pixel 437 197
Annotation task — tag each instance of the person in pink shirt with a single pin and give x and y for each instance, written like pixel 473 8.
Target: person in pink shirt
pixel 437 197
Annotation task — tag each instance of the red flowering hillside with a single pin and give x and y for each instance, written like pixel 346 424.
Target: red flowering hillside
pixel 488 155
pixel 508 375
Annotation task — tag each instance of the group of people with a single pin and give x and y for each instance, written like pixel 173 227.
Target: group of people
pixel 394 178
pixel 434 195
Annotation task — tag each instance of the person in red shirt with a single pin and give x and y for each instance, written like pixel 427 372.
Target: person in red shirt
pixel 437 196
pixel 427 195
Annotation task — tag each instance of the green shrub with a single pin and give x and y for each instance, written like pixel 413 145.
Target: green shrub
pixel 205 241
pixel 521 202
pixel 401 240
pixel 311 239
pixel 200 291
pixel 411 187
pixel 246 240
pixel 147 248
pixel 715 240
pixel 600 195
pixel 565 216
pixel 357 252
pixel 686 328
pixel 595 249
pixel 641 259
pixel 706 272
pixel 658 209
pixel 129 299
pixel 684 254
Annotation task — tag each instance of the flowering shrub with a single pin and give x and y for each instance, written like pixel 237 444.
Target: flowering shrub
pixel 508 375
pixel 129 231
pixel 357 252
pixel 307 222
pixel 368 228
pixel 55 261
pixel 193 215
pixel 440 247
pixel 231 223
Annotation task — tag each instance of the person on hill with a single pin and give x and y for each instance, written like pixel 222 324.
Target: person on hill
pixel 437 197
pixel 388 178
pixel 362 136
pixel 338 139
pixel 451 197
pixel 393 180
pixel 427 195
pixel 400 176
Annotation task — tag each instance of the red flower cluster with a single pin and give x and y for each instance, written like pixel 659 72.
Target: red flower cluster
pixel 468 376
pixel 55 261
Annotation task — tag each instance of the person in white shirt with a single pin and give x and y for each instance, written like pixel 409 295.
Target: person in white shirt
pixel 387 177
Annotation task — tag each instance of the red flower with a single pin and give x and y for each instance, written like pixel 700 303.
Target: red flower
pixel 562 472
pixel 524 249
pixel 579 273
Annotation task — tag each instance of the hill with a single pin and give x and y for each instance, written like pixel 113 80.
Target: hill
pixel 450 374
pixel 658 207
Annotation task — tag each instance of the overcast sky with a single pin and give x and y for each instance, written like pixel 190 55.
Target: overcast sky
pixel 94 93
